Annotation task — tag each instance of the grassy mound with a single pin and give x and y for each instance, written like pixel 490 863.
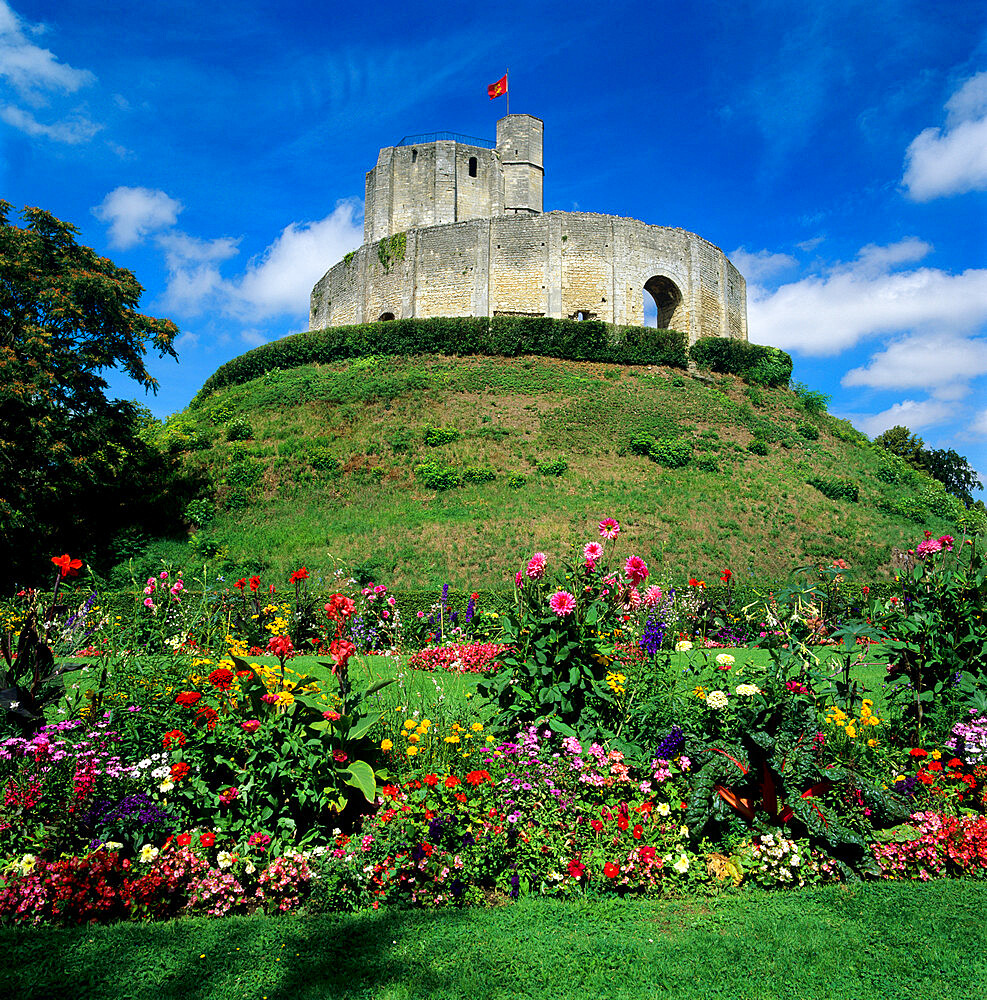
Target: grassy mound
pixel 427 469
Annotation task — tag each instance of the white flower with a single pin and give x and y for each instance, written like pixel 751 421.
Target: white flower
pixel 161 772
pixel 662 809
pixel 683 831
pixel 166 786
pixel 683 646
pixel 224 859
pixel 682 865
pixel 716 699
pixel 250 868
pixel 148 853
pixel 725 660
pixel 113 845
pixel 746 690
pixel 27 864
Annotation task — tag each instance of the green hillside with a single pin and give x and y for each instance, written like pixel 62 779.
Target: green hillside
pixel 432 468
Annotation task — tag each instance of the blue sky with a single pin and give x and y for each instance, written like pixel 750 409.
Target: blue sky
pixel 837 152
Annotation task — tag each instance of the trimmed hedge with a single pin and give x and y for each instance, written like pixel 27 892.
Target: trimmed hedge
pixel 752 362
pixel 499 336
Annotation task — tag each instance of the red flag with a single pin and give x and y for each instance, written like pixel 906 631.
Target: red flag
pixel 498 88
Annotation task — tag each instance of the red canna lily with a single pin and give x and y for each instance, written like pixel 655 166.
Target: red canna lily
pixel 67 565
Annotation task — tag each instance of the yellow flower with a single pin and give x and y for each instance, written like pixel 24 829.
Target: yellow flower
pixel 452 739
pixel 413 737
pixel 412 750
pixel 426 723
pixel 700 693
pixel 286 698
pixel 410 723
pixel 872 743
pixel 477 727
pixel 935 755
pixel 851 731
pixel 386 744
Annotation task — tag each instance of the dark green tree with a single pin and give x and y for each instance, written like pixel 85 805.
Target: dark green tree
pixel 74 469
pixel 953 471
pixel 902 442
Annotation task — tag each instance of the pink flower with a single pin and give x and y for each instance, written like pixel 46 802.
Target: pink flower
pixel 635 570
pixel 339 756
pixel 562 603
pixel 652 597
pixel 946 541
pixel 251 725
pixel 518 582
pixel 148 603
pixel 927 547
pixel 536 566
pixel 593 551
pixel 609 528
pixel 331 716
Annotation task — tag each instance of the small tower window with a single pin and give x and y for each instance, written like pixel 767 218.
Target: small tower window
pixel 472 166
pixel 385 317
pixel 414 155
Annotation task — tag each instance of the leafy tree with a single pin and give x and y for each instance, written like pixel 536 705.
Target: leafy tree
pixel 953 471
pixel 74 468
pixel 902 442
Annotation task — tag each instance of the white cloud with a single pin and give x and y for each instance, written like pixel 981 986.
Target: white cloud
pixel 71 130
pixel 134 212
pixel 951 160
pixel 761 264
pixel 281 279
pixel 30 68
pixel 194 279
pixel 979 425
pixel 942 363
pixel 825 314
pixel 910 413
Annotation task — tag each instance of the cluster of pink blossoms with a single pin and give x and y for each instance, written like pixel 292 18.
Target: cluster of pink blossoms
pixel 932 545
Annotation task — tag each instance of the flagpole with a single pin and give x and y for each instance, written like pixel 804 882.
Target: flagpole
pixel 508 95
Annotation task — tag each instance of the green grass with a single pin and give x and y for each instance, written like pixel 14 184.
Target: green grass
pixel 896 941
pixel 280 505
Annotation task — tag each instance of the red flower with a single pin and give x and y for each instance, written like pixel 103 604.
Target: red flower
pixel 183 839
pixel 179 770
pixel 67 566
pixel 281 646
pixel 478 777
pixel 955 762
pixel 207 839
pixel 390 791
pixel 244 674
pixel 431 780
pixel 175 736
pixel 475 597
pixel 645 807
pixel 623 823
pixel 693 582
pixel 451 781
pixel 222 678
pixel 918 752
pixel 341 650
pixel 935 766
pixel 726 576
pixel 460 797
pixel 576 869
pixel 254 583
pixel 188 698
pixel 596 824
pixel 240 584
pixel 647 853
pixel 339 756
pixel 340 607
pixel 208 716
pixel 637 831
pixel 611 870
pixel 298 575
pixel 331 716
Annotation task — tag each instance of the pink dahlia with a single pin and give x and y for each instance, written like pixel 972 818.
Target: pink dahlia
pixel 636 570
pixel 592 551
pixel 929 546
pixel 609 528
pixel 562 603
pixel 652 597
pixel 518 582
pixel 946 541
pixel 536 566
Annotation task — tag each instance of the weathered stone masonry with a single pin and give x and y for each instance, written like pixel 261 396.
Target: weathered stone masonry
pixel 454 229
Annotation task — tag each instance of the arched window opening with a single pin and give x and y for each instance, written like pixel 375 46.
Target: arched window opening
pixel 414 155
pixel 665 308
pixel 582 315
pixel 472 166
pixel 385 317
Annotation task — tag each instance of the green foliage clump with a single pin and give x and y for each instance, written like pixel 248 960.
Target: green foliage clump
pixel 321 458
pixel 437 476
pixel 836 489
pixel 810 400
pixel 809 431
pixel 707 463
pixel 516 481
pixel 758 446
pixel 478 474
pixel 754 395
pixel 754 363
pixel 200 512
pixel 436 436
pixel 239 430
pixel 391 250
pixel 556 467
pixel 672 453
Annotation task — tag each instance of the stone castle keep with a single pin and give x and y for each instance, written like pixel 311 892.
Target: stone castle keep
pixel 455 228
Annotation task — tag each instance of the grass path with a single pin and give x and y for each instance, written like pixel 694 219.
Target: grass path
pixel 894 941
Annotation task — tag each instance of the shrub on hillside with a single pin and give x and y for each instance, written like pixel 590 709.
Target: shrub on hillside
pixel 809 431
pixel 752 362
pixel 553 468
pixel 478 474
pixel 436 436
pixel 672 453
pixel 758 447
pixel 437 476
pixel 836 489
pixel 239 430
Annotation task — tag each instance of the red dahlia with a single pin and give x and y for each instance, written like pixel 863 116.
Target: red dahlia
pixel 188 698
pixel 222 678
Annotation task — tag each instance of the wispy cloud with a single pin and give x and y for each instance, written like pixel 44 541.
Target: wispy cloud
pixel 825 314
pixel 762 264
pixel 910 413
pixel 134 212
pixel 34 74
pixel 953 159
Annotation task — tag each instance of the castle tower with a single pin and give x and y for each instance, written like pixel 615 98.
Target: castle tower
pixel 520 142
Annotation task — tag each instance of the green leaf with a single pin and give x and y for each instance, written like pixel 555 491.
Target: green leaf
pixel 361 775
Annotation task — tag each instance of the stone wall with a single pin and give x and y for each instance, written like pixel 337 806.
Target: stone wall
pixel 558 264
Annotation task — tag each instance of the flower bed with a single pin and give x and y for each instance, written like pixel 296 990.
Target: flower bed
pixel 463 658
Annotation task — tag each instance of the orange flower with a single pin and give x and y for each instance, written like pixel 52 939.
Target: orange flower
pixel 67 566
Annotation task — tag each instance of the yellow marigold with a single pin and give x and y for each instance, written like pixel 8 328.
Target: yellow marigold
pixel 426 723
pixel 872 743
pixel 477 727
pixel 452 739
pixel 700 692
pixel 413 737
pixel 851 731
pixel 412 750
pixel 936 754
pixel 410 723
pixel 386 745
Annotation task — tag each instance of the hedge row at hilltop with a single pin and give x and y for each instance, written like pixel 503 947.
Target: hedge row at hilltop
pixel 506 336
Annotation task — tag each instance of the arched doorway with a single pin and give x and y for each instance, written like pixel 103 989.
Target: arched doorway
pixel 665 308
pixel 385 317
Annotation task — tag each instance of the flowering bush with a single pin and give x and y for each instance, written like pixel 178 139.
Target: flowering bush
pixel 464 658
pixel 935 845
